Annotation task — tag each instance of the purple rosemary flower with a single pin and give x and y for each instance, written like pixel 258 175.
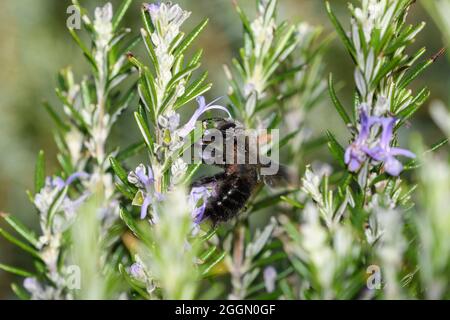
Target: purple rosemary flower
pixel 152 8
pixel 168 17
pixel 171 120
pixel 53 185
pixel 66 208
pixel 270 277
pixel 383 151
pixel 379 149
pixel 77 175
pixel 137 271
pixel 144 180
pixel 202 108
pixel 140 178
pixel 59 183
pixel 197 203
pixel 355 154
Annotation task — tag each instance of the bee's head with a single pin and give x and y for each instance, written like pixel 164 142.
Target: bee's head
pixel 221 124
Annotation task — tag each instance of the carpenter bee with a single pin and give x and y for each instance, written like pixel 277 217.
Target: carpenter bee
pixel 232 188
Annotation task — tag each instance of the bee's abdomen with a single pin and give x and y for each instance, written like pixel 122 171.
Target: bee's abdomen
pixel 230 198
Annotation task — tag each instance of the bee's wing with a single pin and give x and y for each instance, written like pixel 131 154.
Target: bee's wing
pixel 282 177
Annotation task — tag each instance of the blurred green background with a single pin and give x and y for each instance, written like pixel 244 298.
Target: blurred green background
pixel 34 45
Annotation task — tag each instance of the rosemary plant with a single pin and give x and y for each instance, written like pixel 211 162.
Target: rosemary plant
pixel 352 229
pixel 166 87
pixel 369 206
pixel 433 217
pixel 90 109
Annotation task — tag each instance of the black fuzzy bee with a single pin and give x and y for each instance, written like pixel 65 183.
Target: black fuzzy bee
pixel 232 188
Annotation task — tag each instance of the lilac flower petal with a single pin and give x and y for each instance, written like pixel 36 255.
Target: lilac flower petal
pixel 141 173
pixel 347 154
pixel 201 101
pixel 58 183
pixel 354 165
pixel 202 108
pixel 199 213
pixel 198 193
pixel 402 152
pixel 270 276
pixel 393 166
pixel 365 122
pixel 32 285
pixel 387 132
pixel 376 153
pixel 152 7
pixel 355 154
pixel 188 127
pixel 75 176
pixel 145 205
pixel 137 271
pixel 145 179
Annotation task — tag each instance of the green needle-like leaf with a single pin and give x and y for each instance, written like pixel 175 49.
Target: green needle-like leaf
pixel 184 45
pixel 121 13
pixel 39 173
pixel 336 149
pixel 337 104
pixel 144 131
pixel 21 229
pixel 16 271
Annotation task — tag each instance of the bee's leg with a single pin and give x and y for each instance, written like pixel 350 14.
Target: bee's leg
pixel 207 180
